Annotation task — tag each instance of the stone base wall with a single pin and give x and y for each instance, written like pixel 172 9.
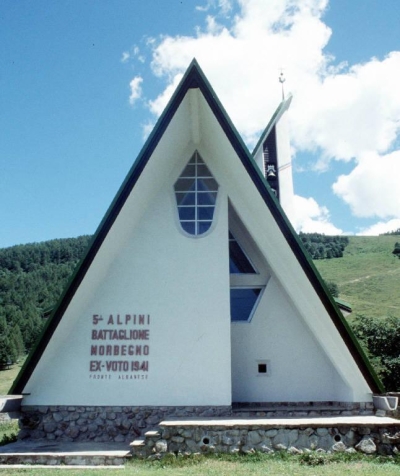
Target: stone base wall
pixel 81 423
pixel 248 439
pixel 301 409
pixel 117 423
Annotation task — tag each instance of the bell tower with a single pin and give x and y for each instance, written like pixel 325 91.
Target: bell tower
pixel 273 157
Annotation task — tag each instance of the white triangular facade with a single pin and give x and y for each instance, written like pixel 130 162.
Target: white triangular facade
pixel 150 322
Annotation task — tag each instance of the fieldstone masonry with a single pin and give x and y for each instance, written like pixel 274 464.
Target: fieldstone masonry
pixel 188 438
pixel 101 424
pixel 151 434
pixel 117 423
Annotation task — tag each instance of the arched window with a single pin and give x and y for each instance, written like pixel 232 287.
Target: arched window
pixel 196 195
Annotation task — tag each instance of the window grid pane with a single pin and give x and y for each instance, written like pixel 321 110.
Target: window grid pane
pixel 189 227
pixel 196 194
pixel 206 198
pixel 186 213
pixel 203 226
pixel 185 199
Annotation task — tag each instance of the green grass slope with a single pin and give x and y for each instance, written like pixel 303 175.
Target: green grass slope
pixel 8 376
pixel 368 275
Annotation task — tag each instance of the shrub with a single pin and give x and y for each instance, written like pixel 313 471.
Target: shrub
pixel 381 337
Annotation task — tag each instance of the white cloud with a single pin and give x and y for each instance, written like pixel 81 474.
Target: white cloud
pixel 248 54
pixel 224 5
pixel 350 113
pixel 158 105
pixel 137 53
pixel 136 89
pixel 310 217
pixel 381 227
pixel 134 53
pixel 344 112
pixel 125 56
pixel 372 187
pixel 147 128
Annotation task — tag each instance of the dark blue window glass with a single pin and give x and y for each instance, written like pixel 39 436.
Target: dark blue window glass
pixel 203 226
pixel 238 261
pixel 188 226
pixel 185 185
pixel 206 198
pixel 187 213
pixel 196 194
pixel 243 301
pixel 185 198
pixel 205 213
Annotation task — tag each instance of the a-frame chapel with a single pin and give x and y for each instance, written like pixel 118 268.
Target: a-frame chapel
pixel 195 294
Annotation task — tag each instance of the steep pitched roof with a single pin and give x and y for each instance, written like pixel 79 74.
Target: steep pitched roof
pixel 194 78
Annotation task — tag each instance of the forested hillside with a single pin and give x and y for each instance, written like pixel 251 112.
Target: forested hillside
pixel 324 246
pixel 32 278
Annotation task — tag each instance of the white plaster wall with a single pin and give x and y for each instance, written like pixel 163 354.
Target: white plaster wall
pixel 147 265
pixel 282 263
pixel 182 284
pixel 298 369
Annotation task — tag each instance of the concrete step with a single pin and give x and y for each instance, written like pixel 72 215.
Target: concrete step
pixel 145 446
pixel 141 448
pixel 314 409
pixel 57 459
pixel 138 443
pixel 43 452
pixel 246 434
pixel 366 434
pixel 284 409
pixel 152 434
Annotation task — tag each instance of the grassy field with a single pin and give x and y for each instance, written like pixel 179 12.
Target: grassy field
pixel 235 466
pixel 7 377
pixel 368 275
pixel 8 429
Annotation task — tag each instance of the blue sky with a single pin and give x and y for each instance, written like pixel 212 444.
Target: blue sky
pixel 69 132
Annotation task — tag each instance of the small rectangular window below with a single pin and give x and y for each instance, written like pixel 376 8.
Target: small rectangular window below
pixel 262 368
